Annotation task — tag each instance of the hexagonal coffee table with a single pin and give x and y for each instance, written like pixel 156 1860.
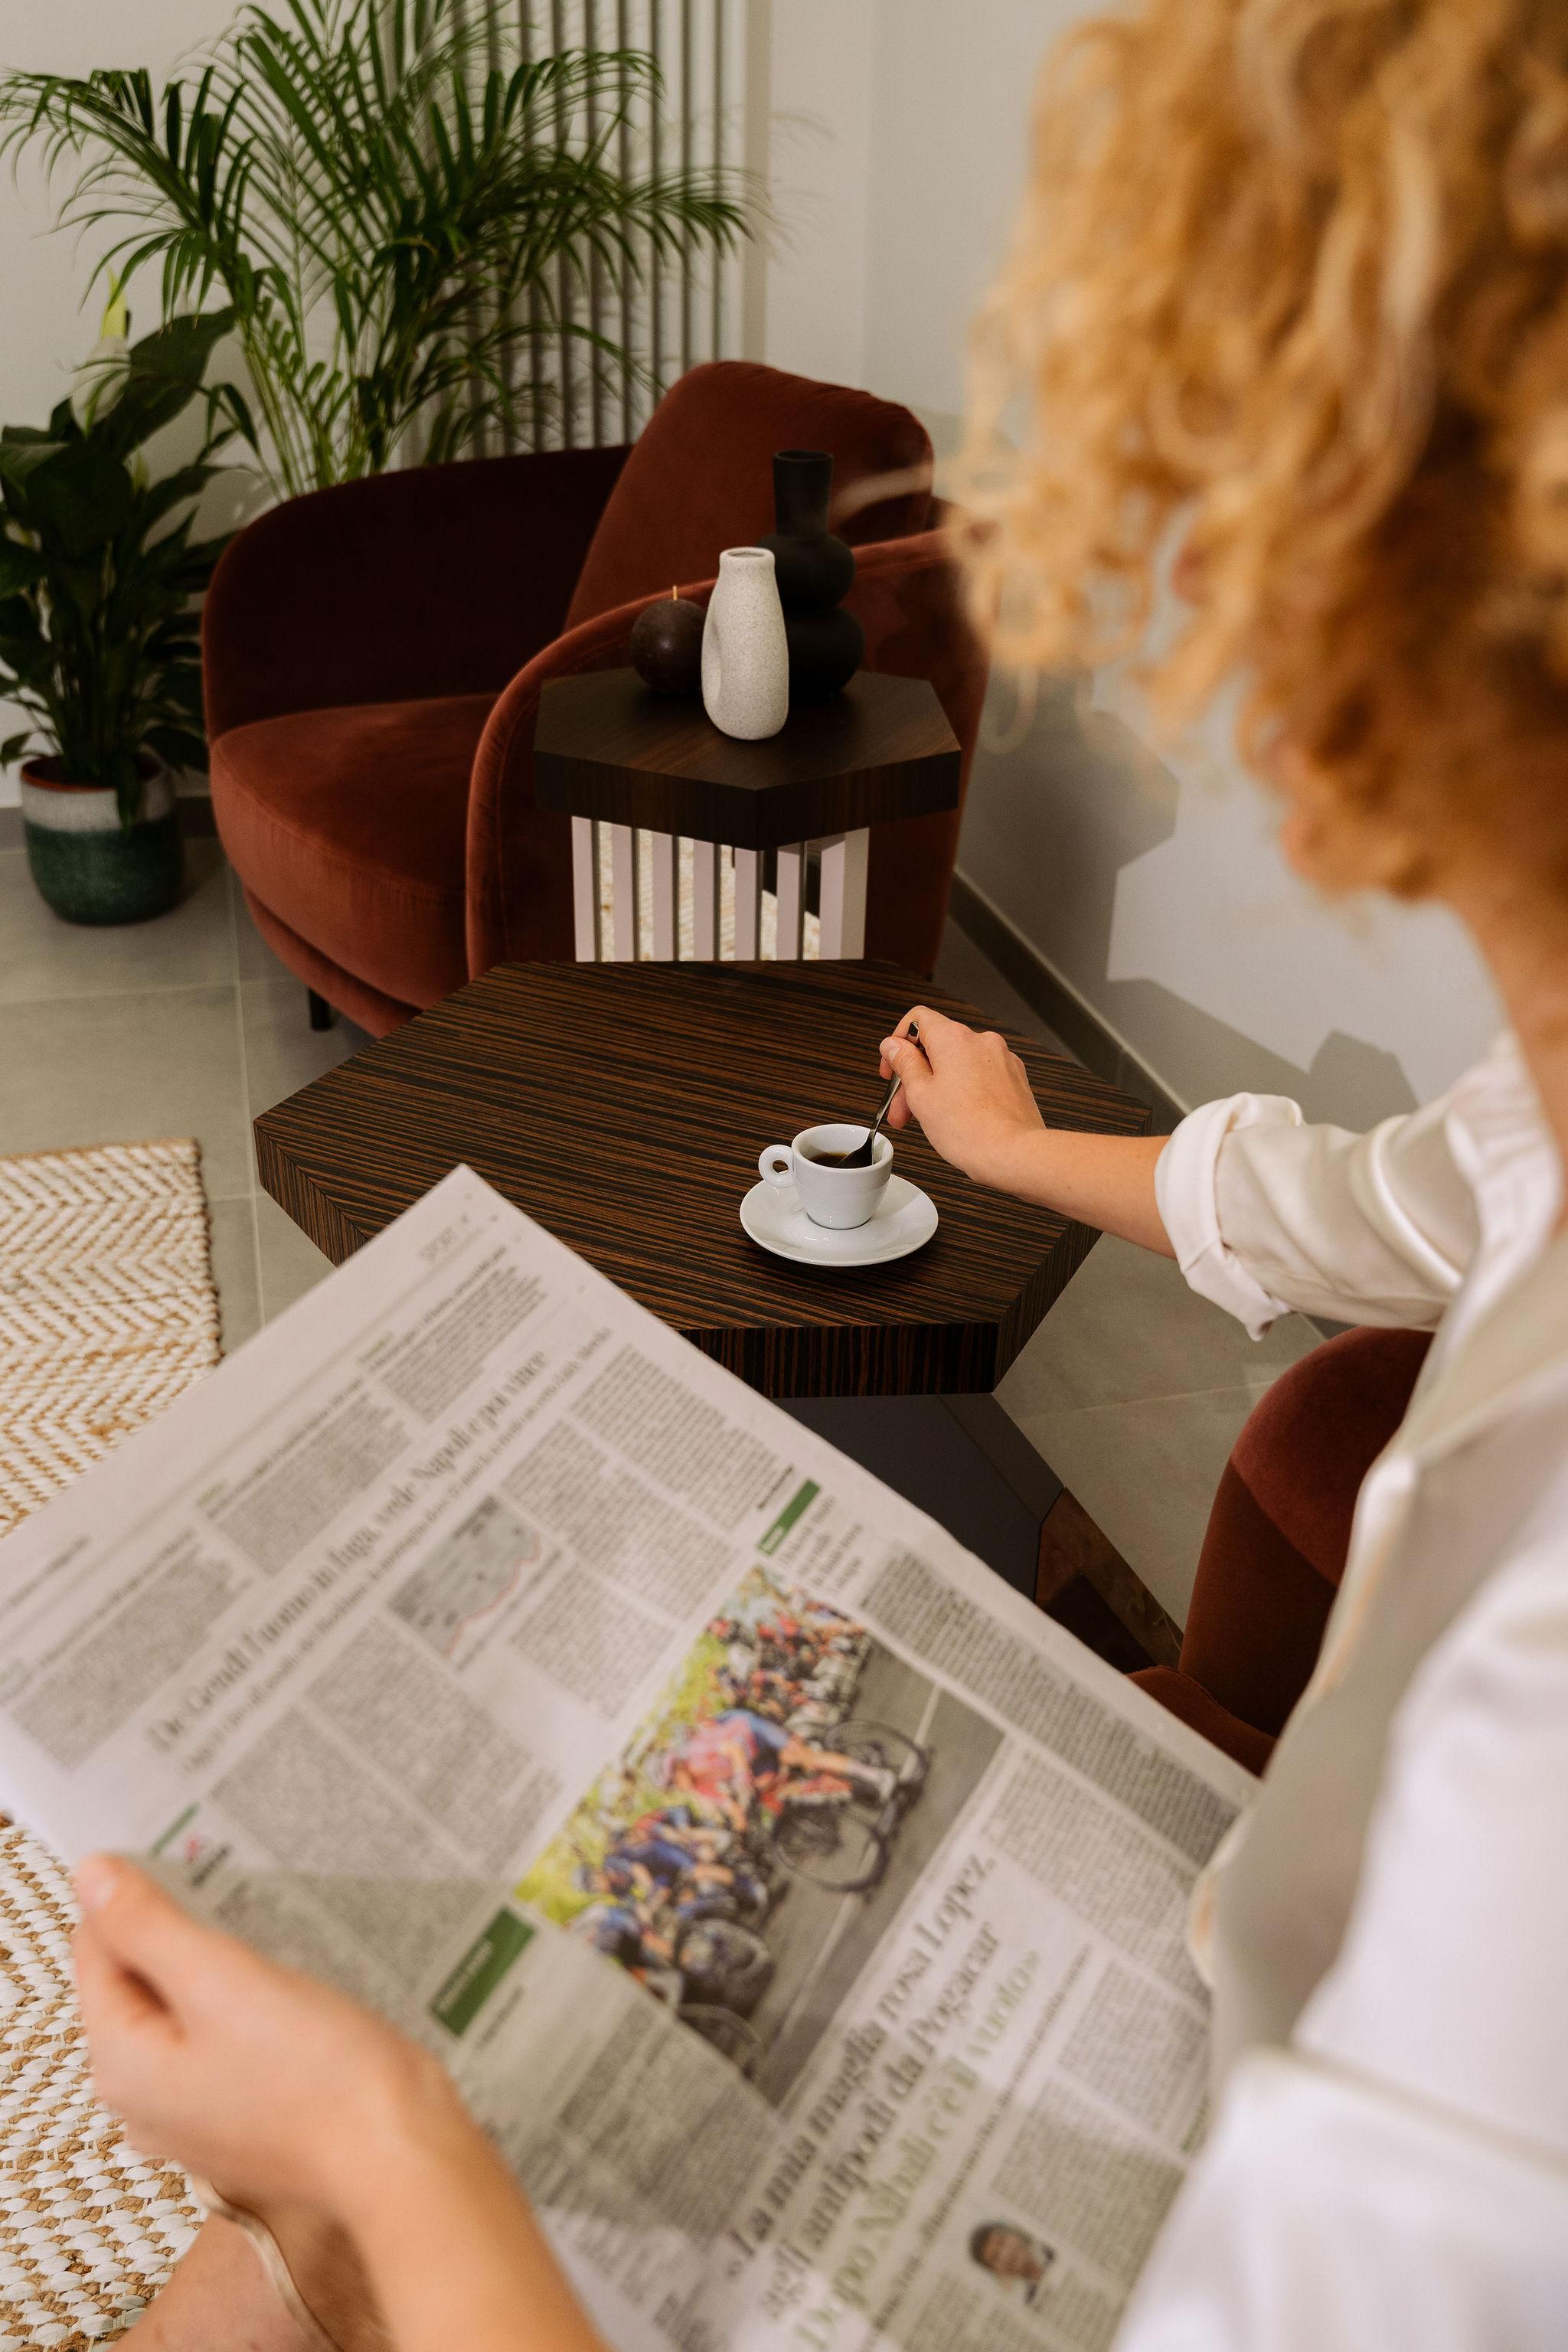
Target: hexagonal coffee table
pixel 624 1105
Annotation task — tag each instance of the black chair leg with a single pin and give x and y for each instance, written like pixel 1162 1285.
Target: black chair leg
pixel 321 1010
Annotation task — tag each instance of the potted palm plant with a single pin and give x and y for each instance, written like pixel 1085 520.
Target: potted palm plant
pixel 404 210
pixel 98 634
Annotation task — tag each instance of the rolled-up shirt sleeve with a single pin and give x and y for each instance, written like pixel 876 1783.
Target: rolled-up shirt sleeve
pixel 1267 1213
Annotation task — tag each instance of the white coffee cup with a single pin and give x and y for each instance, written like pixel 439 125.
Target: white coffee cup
pixel 830 1196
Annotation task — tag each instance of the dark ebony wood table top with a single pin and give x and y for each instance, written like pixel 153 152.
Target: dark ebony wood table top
pixel 625 1105
pixel 607 746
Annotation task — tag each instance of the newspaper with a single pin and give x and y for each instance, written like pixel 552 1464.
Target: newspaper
pixel 800 1910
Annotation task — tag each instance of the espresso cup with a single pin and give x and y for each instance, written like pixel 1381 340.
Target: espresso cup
pixel 830 1196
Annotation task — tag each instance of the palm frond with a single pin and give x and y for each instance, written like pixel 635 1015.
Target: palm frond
pixel 388 212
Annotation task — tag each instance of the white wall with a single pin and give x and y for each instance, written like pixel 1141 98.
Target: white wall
pixel 1150 884
pixel 43 275
pixel 818 122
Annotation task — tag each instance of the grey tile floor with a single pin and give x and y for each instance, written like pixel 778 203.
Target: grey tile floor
pixel 1132 1388
pixel 188 1025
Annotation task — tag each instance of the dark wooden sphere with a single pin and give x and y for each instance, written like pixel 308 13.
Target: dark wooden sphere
pixel 667 646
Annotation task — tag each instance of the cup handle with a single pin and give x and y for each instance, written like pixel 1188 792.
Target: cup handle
pixel 768 1166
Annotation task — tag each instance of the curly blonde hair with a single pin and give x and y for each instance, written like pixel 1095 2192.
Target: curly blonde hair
pixel 1289 287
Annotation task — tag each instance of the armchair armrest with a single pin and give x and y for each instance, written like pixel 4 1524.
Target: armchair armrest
pixel 443 580
pixel 909 597
pixel 1187 1698
pixel 519 855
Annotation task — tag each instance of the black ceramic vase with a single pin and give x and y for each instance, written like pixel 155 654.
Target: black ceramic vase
pixel 814 571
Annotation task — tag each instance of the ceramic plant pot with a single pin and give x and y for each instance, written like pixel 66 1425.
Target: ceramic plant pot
pixel 745 657
pixel 815 570
pixel 87 866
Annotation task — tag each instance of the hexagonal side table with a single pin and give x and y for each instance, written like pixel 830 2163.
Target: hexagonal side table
pixel 611 753
pixel 624 1106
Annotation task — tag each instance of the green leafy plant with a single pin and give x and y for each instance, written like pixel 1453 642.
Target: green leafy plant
pixel 99 637
pixel 392 217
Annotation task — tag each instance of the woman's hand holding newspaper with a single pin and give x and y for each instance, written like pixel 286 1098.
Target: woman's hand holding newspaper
pixel 285 2093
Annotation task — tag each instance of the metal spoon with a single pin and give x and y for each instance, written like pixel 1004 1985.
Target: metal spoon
pixel 861 1155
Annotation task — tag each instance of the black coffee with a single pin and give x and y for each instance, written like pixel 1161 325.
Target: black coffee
pixel 830 1158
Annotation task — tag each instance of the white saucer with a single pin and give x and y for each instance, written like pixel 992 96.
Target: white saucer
pixel 903 1219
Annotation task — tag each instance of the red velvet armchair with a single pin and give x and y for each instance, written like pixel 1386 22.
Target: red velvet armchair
pixel 1278 1536
pixel 374 656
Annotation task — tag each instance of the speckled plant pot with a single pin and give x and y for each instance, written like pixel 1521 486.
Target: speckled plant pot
pixel 87 866
pixel 745 654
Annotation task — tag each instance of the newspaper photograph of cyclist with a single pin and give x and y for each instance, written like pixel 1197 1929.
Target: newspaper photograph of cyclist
pixel 748 1849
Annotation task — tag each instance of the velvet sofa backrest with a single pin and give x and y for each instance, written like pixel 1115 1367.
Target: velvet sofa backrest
pixel 441 580
pixel 699 478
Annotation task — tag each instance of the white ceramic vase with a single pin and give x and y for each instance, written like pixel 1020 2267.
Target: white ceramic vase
pixel 745 654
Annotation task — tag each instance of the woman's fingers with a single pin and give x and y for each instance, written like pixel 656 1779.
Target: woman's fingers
pixel 969 1092
pixel 899 1059
pixel 932 1026
pixel 113 2001
pixel 140 1928
pixel 902 1058
pixel 901 1051
pixel 133 2038
pixel 209 2053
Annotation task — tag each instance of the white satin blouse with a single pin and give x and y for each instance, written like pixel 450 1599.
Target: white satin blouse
pixel 1386 1927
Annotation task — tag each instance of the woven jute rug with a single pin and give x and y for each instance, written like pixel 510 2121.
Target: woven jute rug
pixel 107 1311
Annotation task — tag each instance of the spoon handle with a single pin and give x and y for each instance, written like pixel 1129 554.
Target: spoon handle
pixel 885 1107
pixel 913 1035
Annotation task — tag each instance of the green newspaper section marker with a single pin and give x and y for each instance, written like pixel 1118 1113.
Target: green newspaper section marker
pixel 175 1828
pixel 801 1500
pixel 479 1971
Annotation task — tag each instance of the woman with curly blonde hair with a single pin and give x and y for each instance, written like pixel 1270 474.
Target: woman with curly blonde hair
pixel 1286 324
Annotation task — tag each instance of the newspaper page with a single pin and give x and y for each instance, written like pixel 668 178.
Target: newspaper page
pixel 801 1911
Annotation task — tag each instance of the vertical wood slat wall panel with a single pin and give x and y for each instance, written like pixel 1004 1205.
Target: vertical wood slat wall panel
pixel 689 309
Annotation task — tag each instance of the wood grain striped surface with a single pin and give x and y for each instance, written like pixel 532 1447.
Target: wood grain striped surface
pixel 606 746
pixel 624 1105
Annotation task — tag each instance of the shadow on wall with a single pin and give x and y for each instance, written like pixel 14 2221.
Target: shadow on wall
pixel 1062 805
pixel 1351 1082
